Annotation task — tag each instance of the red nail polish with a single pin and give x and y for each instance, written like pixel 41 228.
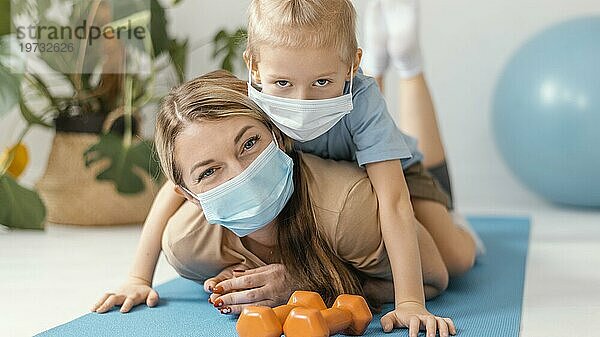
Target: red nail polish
pixel 218 290
pixel 225 310
pixel 239 270
pixel 218 303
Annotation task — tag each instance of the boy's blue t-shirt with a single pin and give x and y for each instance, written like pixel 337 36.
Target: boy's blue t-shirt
pixel 367 134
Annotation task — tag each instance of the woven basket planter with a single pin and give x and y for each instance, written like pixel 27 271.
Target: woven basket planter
pixel 74 196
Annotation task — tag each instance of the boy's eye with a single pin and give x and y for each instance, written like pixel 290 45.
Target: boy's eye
pixel 282 83
pixel 321 82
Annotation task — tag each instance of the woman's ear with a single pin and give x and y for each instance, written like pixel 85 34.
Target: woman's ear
pixel 185 194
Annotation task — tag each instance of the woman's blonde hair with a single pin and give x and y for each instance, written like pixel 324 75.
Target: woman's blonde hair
pixel 305 252
pixel 303 24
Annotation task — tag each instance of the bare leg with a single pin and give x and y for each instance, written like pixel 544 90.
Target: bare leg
pixel 418 118
pixel 435 275
pixel 455 244
pixel 380 80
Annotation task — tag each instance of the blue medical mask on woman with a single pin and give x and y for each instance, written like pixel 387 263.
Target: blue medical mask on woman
pixel 255 197
pixel 302 119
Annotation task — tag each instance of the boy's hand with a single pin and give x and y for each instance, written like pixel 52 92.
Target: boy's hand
pixel 268 285
pixel 132 293
pixel 415 317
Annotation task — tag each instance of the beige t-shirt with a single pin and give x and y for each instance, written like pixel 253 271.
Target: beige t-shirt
pixel 345 207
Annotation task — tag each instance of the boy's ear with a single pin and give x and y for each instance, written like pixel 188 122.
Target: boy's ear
pixel 357 59
pixel 246 58
pixel 251 63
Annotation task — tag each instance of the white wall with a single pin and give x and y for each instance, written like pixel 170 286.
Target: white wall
pixel 465 42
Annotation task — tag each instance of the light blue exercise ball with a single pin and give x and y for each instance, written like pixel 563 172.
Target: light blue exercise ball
pixel 546 113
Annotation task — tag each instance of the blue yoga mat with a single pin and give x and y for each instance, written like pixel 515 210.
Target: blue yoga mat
pixel 484 302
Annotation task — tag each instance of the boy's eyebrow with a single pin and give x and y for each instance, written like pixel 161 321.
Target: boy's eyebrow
pixel 277 76
pixel 327 74
pixel 286 76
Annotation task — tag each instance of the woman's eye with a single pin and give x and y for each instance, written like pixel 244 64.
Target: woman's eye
pixel 282 84
pixel 250 143
pixel 321 83
pixel 206 174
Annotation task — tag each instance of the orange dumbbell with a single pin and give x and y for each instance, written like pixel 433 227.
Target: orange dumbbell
pixel 261 321
pixel 349 315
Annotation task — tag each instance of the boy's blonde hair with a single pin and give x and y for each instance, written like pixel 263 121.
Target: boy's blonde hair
pixel 303 24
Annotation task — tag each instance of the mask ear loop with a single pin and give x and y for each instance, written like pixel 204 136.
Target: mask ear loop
pixel 351 76
pixel 192 194
pixel 250 71
pixel 275 138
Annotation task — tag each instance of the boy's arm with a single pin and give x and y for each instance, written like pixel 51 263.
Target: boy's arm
pixel 165 204
pixel 400 237
pixel 398 230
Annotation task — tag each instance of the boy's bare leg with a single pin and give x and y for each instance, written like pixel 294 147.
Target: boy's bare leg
pixel 380 80
pixel 455 244
pixel 418 118
pixel 435 274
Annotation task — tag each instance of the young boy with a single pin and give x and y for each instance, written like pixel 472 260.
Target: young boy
pixel 304 56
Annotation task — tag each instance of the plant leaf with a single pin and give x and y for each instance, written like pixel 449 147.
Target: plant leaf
pixel 10 78
pixel 9 90
pixel 122 161
pixel 4 17
pixel 21 208
pixel 158 28
pixel 229 47
pixel 29 116
pixel 178 51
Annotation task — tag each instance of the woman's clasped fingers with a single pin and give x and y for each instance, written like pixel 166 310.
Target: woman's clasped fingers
pixel 240 283
pixel 237 309
pixel 227 273
pixel 249 297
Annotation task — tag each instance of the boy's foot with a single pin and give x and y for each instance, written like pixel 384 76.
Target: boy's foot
pixel 375 59
pixel 463 223
pixel 402 26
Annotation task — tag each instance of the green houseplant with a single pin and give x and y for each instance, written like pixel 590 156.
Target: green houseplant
pixel 108 102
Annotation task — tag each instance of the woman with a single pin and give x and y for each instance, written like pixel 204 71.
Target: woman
pixel 325 232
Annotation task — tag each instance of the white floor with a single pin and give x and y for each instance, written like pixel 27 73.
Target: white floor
pixel 48 278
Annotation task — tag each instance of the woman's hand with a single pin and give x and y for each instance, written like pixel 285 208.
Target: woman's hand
pixel 415 317
pixel 135 291
pixel 225 274
pixel 268 285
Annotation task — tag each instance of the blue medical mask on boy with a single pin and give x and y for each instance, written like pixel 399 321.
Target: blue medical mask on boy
pixel 302 119
pixel 255 197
